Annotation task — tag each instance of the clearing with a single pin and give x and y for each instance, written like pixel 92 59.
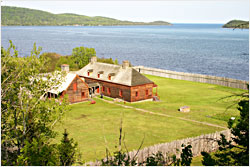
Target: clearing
pixel 96 126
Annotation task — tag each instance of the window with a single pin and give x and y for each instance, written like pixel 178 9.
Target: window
pixel 109 91
pixel 120 93
pixel 88 73
pixel 103 89
pixel 74 86
pixel 146 92
pixel 98 75
pixel 83 94
pixel 109 77
pixel 136 94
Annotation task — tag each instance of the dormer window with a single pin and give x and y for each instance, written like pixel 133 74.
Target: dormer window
pixel 99 74
pixel 110 76
pixel 89 72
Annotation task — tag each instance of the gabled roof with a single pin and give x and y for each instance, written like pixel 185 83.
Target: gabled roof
pixel 124 76
pixel 64 84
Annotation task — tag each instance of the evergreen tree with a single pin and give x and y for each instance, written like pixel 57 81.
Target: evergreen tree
pixel 234 152
pixel 67 150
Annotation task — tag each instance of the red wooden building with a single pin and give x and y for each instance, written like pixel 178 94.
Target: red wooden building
pixel 74 86
pixel 117 81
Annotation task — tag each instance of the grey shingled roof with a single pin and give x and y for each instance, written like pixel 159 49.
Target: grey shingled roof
pixel 124 76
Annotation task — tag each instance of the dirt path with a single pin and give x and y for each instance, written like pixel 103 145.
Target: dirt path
pixel 165 115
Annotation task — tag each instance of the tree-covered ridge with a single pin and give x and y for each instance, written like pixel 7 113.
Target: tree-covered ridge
pixel 237 24
pixel 29 17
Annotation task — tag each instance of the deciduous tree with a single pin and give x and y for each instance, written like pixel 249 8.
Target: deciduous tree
pixel 27 116
pixel 82 55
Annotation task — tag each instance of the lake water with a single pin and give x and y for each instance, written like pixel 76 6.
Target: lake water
pixel 194 48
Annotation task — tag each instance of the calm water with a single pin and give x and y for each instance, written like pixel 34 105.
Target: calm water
pixel 196 48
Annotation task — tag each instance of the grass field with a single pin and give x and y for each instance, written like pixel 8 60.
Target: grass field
pixel 96 127
pixel 208 102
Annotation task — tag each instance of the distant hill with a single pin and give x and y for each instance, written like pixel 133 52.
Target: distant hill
pixel 237 24
pixel 29 17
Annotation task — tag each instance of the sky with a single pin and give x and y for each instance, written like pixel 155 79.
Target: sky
pixel 174 11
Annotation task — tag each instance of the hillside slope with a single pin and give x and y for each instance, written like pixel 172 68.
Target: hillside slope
pixel 30 17
pixel 237 24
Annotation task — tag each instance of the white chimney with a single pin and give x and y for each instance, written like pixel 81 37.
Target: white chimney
pixel 93 60
pixel 65 67
pixel 125 64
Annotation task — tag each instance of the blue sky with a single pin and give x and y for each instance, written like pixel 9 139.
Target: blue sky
pixel 185 11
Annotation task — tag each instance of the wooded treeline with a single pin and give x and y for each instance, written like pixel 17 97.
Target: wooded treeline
pixel 30 17
pixel 78 59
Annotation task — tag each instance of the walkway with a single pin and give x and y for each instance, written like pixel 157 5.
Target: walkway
pixel 165 115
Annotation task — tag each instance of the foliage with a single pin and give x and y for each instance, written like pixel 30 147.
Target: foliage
pixel 207 159
pixel 119 158
pixel 27 116
pixel 82 55
pixel 54 60
pixel 237 24
pixel 109 61
pixel 29 17
pixel 51 61
pixel 37 153
pixel 67 150
pixel 157 160
pixel 186 155
pixel 234 152
pixel 67 60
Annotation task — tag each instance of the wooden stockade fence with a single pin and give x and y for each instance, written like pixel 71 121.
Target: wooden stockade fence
pixel 207 142
pixel 229 82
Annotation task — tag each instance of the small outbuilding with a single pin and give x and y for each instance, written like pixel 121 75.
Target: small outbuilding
pixel 74 86
pixel 184 109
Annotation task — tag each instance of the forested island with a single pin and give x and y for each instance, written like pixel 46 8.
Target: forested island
pixel 237 24
pixel 15 16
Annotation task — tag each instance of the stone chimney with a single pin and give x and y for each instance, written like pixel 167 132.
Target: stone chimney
pixel 65 67
pixel 93 60
pixel 125 64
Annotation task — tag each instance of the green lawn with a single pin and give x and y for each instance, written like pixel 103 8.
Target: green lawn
pixel 205 100
pixel 196 161
pixel 90 125
pixel 96 126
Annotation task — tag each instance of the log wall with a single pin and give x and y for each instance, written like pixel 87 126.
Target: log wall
pixel 201 143
pixel 114 89
pixel 128 92
pixel 76 96
pixel 141 90
pixel 229 82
